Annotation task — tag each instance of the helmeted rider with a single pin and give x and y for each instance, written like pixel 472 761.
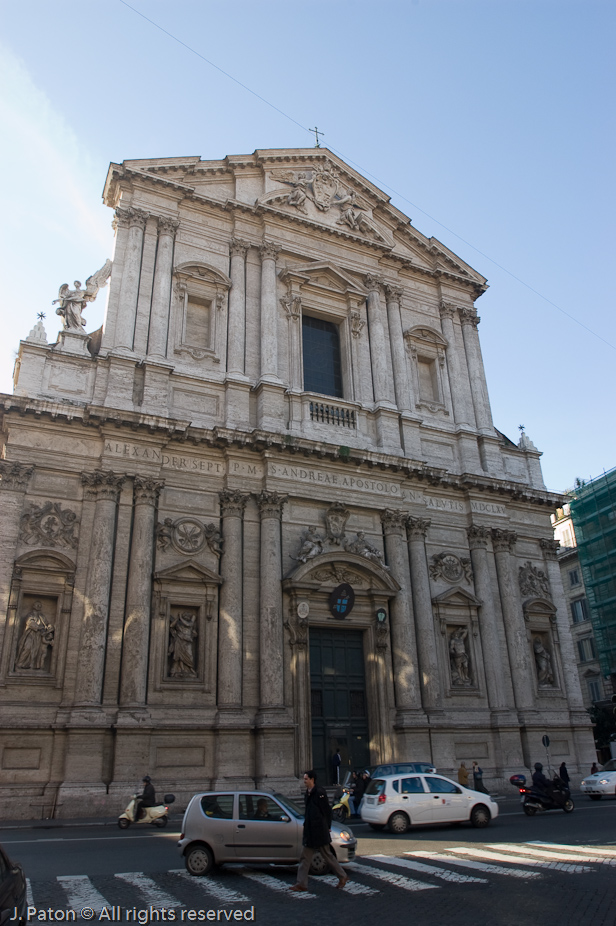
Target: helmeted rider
pixel 540 782
pixel 147 798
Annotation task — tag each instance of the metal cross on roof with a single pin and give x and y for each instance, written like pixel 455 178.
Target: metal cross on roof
pixel 316 135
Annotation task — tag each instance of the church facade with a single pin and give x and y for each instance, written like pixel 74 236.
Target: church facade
pixel 263 514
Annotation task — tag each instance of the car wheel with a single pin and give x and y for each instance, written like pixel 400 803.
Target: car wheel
pixel 529 811
pixel 595 797
pixel 161 822
pixel 199 860
pixel 568 806
pixel 123 823
pixel 318 865
pixel 376 826
pixel 398 823
pixel 480 816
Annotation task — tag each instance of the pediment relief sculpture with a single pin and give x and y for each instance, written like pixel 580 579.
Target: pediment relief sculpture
pixel 312 546
pixel 188 536
pixel 336 574
pixel 533 582
pixel 452 568
pixel 49 525
pixel 362 547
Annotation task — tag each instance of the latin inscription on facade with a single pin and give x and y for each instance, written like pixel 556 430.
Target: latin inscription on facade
pixel 340 480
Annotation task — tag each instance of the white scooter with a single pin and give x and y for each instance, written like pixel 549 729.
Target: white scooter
pixel 157 815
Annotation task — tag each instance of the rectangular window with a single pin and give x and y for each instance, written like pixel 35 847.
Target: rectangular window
pixel 198 323
pixel 428 382
pixel 574 578
pixel 321 354
pixel 579 610
pixel 586 649
pixel 594 691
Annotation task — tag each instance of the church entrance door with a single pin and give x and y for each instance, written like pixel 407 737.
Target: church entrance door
pixel 338 701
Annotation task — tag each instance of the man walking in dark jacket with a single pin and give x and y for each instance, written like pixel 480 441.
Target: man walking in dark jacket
pixel 317 824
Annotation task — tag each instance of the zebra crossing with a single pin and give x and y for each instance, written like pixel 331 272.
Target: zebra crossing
pixel 370 876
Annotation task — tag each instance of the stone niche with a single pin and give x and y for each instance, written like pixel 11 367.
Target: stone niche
pixel 544 646
pixel 460 649
pixel 38 615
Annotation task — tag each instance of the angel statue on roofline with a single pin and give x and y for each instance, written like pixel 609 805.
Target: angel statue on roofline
pixel 73 301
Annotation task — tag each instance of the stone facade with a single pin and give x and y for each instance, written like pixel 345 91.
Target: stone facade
pixel 183 521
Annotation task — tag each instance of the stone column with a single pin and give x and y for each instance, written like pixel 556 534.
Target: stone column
pixel 571 682
pixel 269 314
pixel 404 645
pixel 230 613
pixel 103 488
pixel 478 537
pixel 135 644
pixel 474 361
pixel 271 641
pixel 127 303
pixel 237 308
pixel 457 374
pixel 13 486
pixel 161 292
pixel 380 367
pixel 424 620
pixel 402 386
pixel 503 542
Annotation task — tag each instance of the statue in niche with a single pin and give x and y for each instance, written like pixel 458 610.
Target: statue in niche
pixel 35 641
pixel 458 658
pixel 543 663
pixel 73 301
pixel 183 633
pixel 312 546
pixel 363 547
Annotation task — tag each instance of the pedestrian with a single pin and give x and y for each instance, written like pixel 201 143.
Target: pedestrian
pixel 563 774
pixel 359 787
pixel 463 775
pixel 336 763
pixel 317 838
pixel 594 769
pixel 478 778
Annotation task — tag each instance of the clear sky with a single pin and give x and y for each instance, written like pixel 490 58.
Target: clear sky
pixel 494 118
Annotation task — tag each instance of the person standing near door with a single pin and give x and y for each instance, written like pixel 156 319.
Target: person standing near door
pixel 478 778
pixel 317 838
pixel 336 763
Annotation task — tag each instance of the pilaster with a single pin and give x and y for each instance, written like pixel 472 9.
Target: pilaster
pixel 269 314
pixel 161 291
pixel 230 614
pixel 135 220
pixel 13 487
pixel 417 529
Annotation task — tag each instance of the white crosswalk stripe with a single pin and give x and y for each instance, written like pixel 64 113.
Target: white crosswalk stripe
pixel 152 893
pixel 407 884
pixel 545 853
pixel 504 857
pixel 212 888
pixel 29 899
pixel 275 885
pixel 80 892
pixel 352 887
pixel 426 869
pixel 477 865
pixel 587 850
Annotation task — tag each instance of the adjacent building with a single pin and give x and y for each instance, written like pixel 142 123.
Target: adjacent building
pixel 263 514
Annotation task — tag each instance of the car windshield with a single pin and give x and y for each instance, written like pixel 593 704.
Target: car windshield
pixel 610 766
pixel 289 805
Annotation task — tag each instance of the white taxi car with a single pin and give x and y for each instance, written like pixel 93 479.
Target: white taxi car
pixel 401 801
pixel 602 783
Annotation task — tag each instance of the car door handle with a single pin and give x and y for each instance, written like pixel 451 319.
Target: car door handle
pixel 241 826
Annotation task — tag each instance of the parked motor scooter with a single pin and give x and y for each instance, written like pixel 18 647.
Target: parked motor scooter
pixel 535 800
pixel 157 815
pixel 341 810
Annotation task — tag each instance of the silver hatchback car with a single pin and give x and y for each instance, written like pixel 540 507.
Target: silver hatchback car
pixel 251 826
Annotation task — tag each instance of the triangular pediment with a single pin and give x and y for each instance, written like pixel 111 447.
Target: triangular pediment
pixel 539 606
pixel 457 596
pixel 187 572
pixel 326 275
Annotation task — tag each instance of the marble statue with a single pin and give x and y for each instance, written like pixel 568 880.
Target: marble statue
pixel 362 547
pixel 543 663
pixel 73 301
pixel 35 641
pixel 458 657
pixel 312 546
pixel 183 632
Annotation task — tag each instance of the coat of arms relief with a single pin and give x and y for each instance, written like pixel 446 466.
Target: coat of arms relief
pixel 323 190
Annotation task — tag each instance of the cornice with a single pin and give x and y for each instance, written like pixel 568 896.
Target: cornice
pixel 260 442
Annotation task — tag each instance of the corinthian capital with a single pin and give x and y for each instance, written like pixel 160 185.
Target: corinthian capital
pixel 232 503
pixel 130 218
pixel 15 476
pixel 238 248
pixel 373 282
pixel 448 310
pixel 478 536
pixel 269 251
pixel 394 292
pixel 270 504
pixel 469 317
pixel 167 225
pixel 503 541
pixel 146 490
pixel 393 521
pixel 101 484
pixel 550 548
pixel 417 528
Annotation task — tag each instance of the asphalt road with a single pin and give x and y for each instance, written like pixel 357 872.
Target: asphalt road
pixel 515 872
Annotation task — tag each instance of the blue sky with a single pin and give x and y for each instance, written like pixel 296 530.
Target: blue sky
pixel 494 118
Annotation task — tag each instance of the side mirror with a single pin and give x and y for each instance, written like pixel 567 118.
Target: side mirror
pixel 285 819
